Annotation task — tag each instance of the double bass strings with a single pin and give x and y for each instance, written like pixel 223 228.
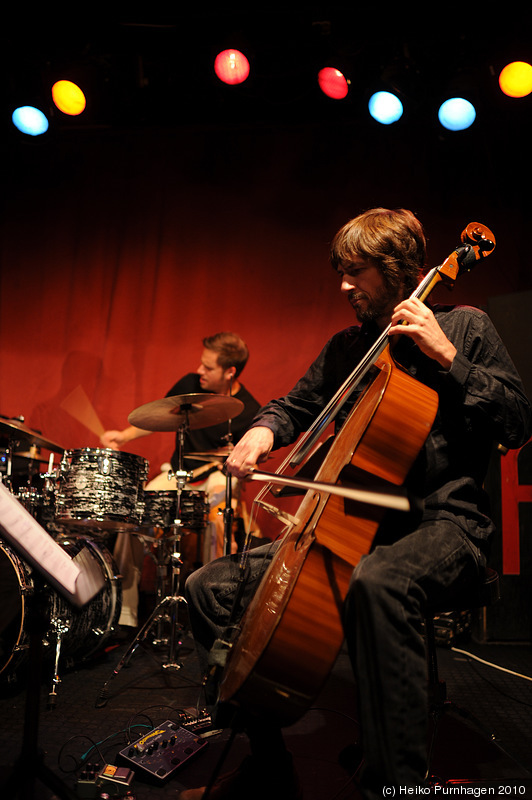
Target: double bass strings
pixel 352 381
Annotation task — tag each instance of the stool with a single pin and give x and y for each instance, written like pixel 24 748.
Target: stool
pixel 486 594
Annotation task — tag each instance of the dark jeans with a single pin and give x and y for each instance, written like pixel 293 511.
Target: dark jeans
pixel 435 566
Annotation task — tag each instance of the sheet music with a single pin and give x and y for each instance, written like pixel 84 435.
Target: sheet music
pixel 77 579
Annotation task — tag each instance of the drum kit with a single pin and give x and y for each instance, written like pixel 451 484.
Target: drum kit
pixel 88 496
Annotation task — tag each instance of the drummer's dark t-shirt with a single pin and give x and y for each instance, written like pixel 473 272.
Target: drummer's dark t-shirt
pixel 214 437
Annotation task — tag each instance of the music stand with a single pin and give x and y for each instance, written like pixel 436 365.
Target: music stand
pixel 78 579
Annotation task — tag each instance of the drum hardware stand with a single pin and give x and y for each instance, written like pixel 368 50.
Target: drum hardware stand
pixel 228 510
pixel 168 607
pixel 59 627
pixel 162 577
pixel 6 480
pixel 30 765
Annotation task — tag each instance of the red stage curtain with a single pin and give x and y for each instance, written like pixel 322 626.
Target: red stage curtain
pixel 121 250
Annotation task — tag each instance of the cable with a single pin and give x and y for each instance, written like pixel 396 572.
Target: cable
pixel 78 765
pixel 490 664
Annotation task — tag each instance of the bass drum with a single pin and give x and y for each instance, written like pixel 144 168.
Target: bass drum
pixel 86 630
pixel 83 631
pixel 16 585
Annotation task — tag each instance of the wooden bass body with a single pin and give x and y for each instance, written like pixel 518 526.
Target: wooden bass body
pixel 291 632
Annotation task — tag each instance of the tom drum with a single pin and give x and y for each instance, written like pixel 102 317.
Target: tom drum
pixel 100 489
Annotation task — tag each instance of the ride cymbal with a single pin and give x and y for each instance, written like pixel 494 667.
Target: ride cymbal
pixel 190 410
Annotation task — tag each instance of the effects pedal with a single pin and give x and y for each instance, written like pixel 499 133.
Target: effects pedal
pixel 107 781
pixel 194 720
pixel 163 750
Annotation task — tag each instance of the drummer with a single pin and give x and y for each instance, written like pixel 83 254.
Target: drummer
pixel 223 358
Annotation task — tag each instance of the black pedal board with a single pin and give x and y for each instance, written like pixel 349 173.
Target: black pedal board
pixel 163 750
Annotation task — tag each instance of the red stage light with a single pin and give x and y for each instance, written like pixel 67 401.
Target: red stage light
pixel 333 83
pixel 231 66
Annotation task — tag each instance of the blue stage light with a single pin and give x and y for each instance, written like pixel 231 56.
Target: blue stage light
pixel 385 107
pixel 457 114
pixel 30 120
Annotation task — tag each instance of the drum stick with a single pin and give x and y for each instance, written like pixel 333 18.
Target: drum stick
pixel 78 405
pixel 200 470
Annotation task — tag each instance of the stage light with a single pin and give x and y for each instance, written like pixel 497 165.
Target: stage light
pixel 385 107
pixel 457 114
pixel 333 83
pixel 515 79
pixel 231 66
pixel 68 98
pixel 29 120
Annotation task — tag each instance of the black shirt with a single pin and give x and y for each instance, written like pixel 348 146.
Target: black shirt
pixel 481 402
pixel 204 440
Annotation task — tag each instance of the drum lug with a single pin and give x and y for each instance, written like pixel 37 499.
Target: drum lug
pixel 104 465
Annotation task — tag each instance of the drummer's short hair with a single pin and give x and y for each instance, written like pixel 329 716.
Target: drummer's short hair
pixel 230 348
pixel 393 239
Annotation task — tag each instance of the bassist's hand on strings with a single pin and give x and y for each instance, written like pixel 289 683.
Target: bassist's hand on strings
pixel 253 448
pixel 413 318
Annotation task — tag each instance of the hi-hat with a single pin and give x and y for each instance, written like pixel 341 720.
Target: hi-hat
pixel 190 410
pixel 212 455
pixel 16 431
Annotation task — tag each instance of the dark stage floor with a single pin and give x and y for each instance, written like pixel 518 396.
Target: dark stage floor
pixel 494 752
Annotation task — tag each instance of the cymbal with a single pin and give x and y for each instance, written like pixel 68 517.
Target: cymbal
pixel 16 431
pixel 191 410
pixel 214 455
pixel 29 457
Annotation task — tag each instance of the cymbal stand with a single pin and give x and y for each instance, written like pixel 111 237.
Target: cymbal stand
pixel 173 602
pixel 228 510
pixel 9 468
pixel 228 514
pixel 161 568
pixel 168 608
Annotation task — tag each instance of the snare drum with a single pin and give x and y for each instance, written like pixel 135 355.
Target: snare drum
pixel 101 489
pixel 83 630
pixel 160 509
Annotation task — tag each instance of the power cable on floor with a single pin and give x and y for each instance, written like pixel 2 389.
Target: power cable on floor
pixel 490 664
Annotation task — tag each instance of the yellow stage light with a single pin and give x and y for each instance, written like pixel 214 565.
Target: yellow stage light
pixel 68 98
pixel 515 79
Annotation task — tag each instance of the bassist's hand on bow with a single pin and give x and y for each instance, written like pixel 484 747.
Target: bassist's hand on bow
pixel 253 448
pixel 413 318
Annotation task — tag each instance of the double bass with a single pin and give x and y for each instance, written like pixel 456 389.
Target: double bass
pixel 291 633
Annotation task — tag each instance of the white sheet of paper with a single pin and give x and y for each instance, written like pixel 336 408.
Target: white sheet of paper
pixel 36 545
